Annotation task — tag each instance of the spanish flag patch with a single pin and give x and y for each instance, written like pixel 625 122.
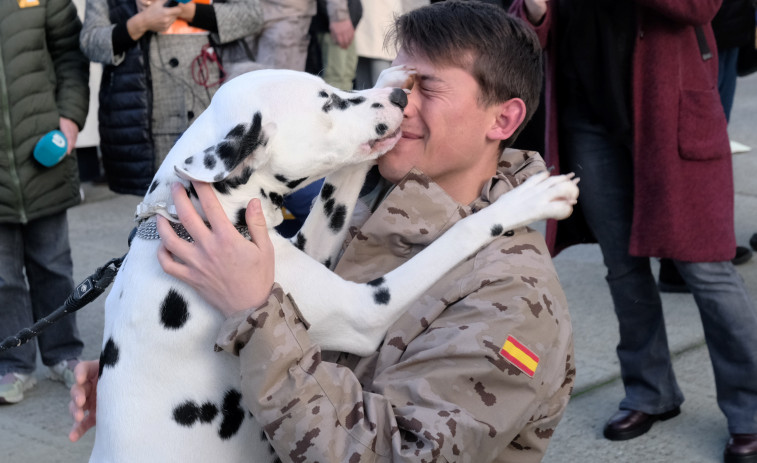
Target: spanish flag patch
pixel 520 356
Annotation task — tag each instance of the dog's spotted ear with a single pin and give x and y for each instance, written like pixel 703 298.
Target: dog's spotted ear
pixel 244 143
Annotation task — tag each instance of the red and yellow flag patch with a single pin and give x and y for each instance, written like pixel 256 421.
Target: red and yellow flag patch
pixel 520 356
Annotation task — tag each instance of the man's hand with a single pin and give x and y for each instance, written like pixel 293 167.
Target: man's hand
pixel 83 402
pixel 230 272
pixel 71 132
pixel 536 9
pixel 342 32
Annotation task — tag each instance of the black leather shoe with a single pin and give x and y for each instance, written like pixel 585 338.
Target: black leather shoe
pixel 627 424
pixel 741 448
pixel 743 254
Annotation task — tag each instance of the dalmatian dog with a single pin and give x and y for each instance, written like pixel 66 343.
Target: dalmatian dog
pixel 164 394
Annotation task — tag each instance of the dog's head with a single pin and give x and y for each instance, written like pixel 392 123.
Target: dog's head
pixel 283 128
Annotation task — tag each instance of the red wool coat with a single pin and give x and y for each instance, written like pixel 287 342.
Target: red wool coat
pixel 683 179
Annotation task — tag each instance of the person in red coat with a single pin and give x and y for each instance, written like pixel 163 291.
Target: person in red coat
pixel 640 122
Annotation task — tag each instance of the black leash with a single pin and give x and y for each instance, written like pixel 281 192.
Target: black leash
pixel 84 293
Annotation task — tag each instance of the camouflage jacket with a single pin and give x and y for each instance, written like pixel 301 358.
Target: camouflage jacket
pixel 479 369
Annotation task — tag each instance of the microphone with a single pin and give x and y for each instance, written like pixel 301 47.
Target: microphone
pixel 51 148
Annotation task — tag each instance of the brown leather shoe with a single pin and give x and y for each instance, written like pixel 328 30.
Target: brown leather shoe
pixel 741 448
pixel 627 424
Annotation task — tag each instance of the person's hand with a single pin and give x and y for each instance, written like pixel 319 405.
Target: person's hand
pixel 154 17
pixel 83 402
pixel 342 32
pixel 71 132
pixel 535 10
pixel 230 272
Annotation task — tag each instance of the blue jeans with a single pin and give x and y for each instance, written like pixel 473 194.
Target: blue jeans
pixel 727 74
pixel 41 250
pixel 728 313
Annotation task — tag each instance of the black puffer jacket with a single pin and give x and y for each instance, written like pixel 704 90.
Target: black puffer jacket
pixel 43 76
pixel 125 113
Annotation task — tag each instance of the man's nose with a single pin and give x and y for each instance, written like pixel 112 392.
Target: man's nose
pixel 398 98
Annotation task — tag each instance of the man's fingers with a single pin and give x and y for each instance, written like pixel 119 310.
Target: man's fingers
pixel 188 216
pixel 175 245
pixel 212 207
pixel 256 224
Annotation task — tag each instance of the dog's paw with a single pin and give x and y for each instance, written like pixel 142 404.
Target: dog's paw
pixel 401 76
pixel 541 197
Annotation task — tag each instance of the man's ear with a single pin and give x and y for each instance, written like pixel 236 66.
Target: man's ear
pixel 509 115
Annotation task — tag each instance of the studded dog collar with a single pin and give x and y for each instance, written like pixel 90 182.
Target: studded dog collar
pixel 148 230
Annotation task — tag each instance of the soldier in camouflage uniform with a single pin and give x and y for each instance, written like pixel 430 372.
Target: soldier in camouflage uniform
pixel 480 368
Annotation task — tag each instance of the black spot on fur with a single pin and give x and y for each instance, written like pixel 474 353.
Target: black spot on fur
pixel 218 177
pixel 108 356
pixel 189 160
pixel 188 413
pixel 300 243
pixel 154 185
pixel 328 207
pixel 209 161
pixel 509 233
pixel 173 310
pixel 225 186
pixel 497 230
pixel 281 178
pixel 327 264
pixel 335 101
pixel 377 105
pixel 276 199
pixel 295 183
pixel 377 282
pixel 338 218
pixel 263 193
pixel 323 94
pixel 241 219
pixel 381 129
pixel 233 414
pixel 191 192
pixel 326 191
pixel 241 141
pixel 381 296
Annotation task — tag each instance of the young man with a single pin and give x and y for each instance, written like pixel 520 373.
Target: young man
pixel 446 384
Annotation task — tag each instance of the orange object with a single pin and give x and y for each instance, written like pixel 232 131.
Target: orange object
pixel 182 27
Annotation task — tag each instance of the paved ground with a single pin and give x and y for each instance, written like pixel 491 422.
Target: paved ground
pixel 36 430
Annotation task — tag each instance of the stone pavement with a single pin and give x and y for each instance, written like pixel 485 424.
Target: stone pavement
pixel 36 430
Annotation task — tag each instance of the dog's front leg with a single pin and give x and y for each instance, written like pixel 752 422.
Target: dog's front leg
pixel 324 231
pixel 354 317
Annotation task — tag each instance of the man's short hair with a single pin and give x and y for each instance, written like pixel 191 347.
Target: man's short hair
pixel 500 51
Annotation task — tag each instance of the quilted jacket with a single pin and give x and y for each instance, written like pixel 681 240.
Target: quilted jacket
pixel 43 76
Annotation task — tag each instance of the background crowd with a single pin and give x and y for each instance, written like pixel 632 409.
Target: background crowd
pixel 630 135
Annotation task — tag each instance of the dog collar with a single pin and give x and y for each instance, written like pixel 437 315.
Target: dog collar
pixel 148 230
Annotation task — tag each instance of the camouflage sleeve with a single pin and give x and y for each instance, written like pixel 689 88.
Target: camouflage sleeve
pixel 451 396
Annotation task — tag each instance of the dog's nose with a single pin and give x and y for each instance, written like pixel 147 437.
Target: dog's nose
pixel 398 98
